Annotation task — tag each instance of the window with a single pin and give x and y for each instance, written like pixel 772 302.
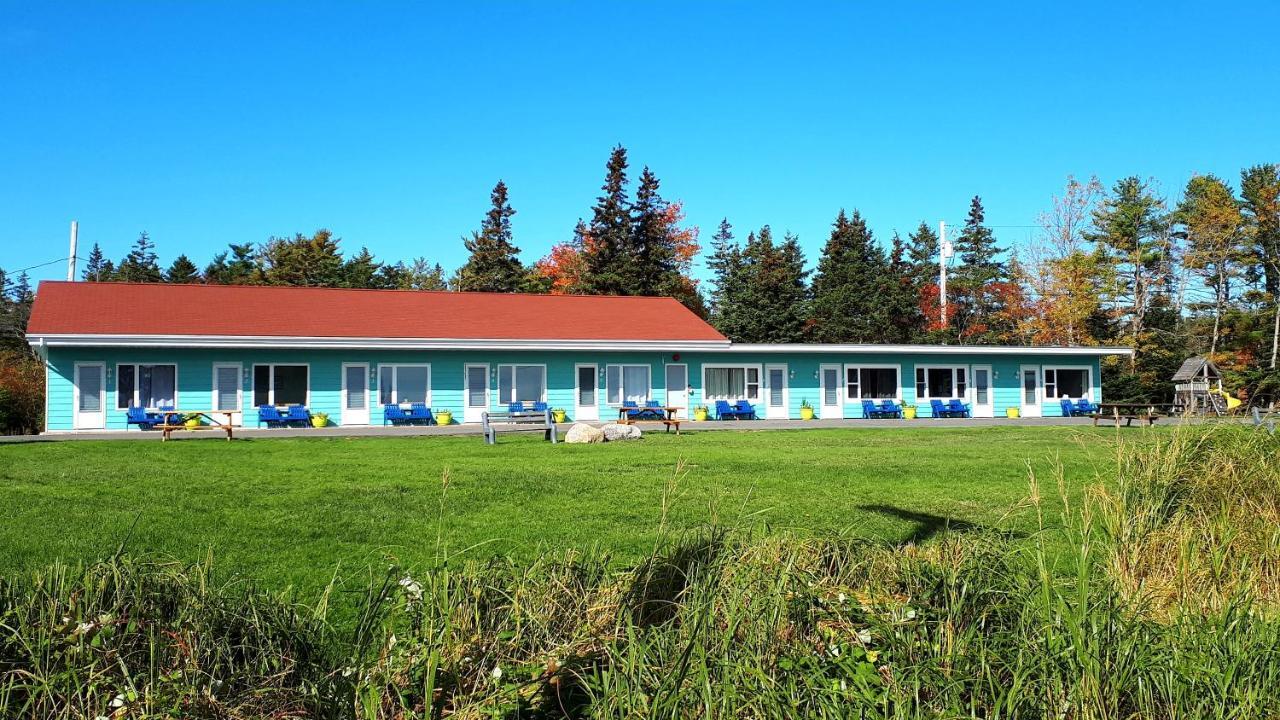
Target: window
pixel 524 383
pixel 872 383
pixel 280 384
pixel 404 384
pixel 626 382
pixel 1066 383
pixel 942 382
pixel 586 385
pixel 723 382
pixel 148 386
pixel 226 387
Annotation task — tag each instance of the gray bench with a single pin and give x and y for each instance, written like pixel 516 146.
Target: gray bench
pixel 492 422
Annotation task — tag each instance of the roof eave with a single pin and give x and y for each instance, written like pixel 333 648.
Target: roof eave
pixel 322 343
pixel 927 349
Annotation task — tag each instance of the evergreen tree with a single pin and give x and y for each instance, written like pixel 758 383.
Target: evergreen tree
pixel 97 268
pixel 922 252
pixel 140 264
pixel 362 271
pixel 1212 224
pixel 1260 190
pixel 725 264
pixel 768 299
pixel 851 286
pixel 606 241
pixel 182 271
pixel 903 295
pixel 241 268
pixel 302 261
pixel 18 311
pixel 975 284
pixel 653 261
pixel 1131 226
pixel 494 264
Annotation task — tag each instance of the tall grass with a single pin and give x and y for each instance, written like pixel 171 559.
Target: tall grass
pixel 1165 609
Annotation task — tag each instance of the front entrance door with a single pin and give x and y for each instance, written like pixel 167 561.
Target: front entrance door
pixel 1029 384
pixel 585 405
pixel 90 400
pixel 776 400
pixel 477 391
pixel 355 394
pixel 832 406
pixel 226 390
pixel 983 402
pixel 678 389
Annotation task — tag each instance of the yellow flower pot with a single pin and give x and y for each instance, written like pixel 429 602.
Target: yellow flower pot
pixel 192 424
pixel 558 416
pixel 444 417
pixel 319 422
pixel 909 412
pixel 806 413
pixel 700 415
pixel 1011 412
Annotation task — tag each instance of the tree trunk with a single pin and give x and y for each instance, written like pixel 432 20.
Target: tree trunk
pixel 1275 331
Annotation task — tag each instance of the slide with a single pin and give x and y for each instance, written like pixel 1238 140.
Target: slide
pixel 1232 403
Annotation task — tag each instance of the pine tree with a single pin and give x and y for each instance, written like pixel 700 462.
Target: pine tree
pixel 494 264
pixel 607 239
pixel 902 296
pixel 97 268
pixel 361 271
pixel 652 256
pixel 922 252
pixel 301 261
pixel 725 264
pixel 1212 224
pixel 182 271
pixel 851 286
pixel 1131 226
pixel 19 311
pixel 140 264
pixel 1260 191
pixel 974 284
pixel 240 269
pixel 768 299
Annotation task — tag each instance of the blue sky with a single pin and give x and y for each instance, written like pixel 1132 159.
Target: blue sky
pixel 209 123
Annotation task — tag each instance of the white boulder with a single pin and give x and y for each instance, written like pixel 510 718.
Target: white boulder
pixel 583 433
pixel 613 432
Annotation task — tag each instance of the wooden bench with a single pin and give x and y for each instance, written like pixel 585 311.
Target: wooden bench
pixel 492 422
pixel 666 416
pixel 172 421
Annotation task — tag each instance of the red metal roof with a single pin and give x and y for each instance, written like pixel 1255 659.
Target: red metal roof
pixel 85 308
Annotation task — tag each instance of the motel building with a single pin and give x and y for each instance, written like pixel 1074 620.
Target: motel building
pixel 109 347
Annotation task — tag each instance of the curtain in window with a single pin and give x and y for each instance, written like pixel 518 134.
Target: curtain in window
pixel 157 385
pixel 635 382
pixel 529 382
pixel 726 383
pixel 879 383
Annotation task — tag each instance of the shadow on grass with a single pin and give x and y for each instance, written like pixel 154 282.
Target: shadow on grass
pixel 928 525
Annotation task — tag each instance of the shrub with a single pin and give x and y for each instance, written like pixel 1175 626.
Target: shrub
pixel 21 393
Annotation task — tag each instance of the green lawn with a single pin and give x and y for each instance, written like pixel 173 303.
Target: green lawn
pixel 291 511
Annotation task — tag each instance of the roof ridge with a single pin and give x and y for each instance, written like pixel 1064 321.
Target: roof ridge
pixel 132 283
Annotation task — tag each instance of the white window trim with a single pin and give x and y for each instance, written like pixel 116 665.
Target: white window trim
pixel 213 386
pixel 760 386
pixel 968 382
pixel 134 401
pixel 1044 385
pixel 271 381
pixel 869 366
pixel 395 381
pixel 648 369
pixel 546 380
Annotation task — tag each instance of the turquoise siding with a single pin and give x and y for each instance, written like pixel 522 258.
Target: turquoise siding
pixel 195 376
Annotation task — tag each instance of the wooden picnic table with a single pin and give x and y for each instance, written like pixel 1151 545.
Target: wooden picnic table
pixel 668 420
pixel 168 427
pixel 1143 412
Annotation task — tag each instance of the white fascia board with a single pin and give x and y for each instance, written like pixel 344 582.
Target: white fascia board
pixel 927 349
pixel 322 343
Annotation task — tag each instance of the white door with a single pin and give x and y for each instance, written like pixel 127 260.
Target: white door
pixel 585 399
pixel 776 393
pixel 983 401
pixel 226 391
pixel 355 393
pixel 1029 385
pixel 477 390
pixel 678 389
pixel 832 406
pixel 89 396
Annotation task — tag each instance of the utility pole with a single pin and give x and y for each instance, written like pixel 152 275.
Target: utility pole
pixel 944 254
pixel 71 256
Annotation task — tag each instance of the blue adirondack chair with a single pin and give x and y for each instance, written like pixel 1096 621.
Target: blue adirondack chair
pixel 890 408
pixel 393 414
pixel 420 413
pixel 1085 407
pixel 539 407
pixel 869 409
pixel 297 415
pixel 939 409
pixel 516 407
pixel 653 409
pixel 271 416
pixel 725 411
pixel 746 410
pixel 1068 410
pixel 632 409
pixel 142 418
pixel 959 408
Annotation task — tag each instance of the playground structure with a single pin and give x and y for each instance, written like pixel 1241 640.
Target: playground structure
pixel 1199 388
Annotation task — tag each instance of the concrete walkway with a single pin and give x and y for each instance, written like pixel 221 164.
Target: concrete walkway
pixel 474 429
